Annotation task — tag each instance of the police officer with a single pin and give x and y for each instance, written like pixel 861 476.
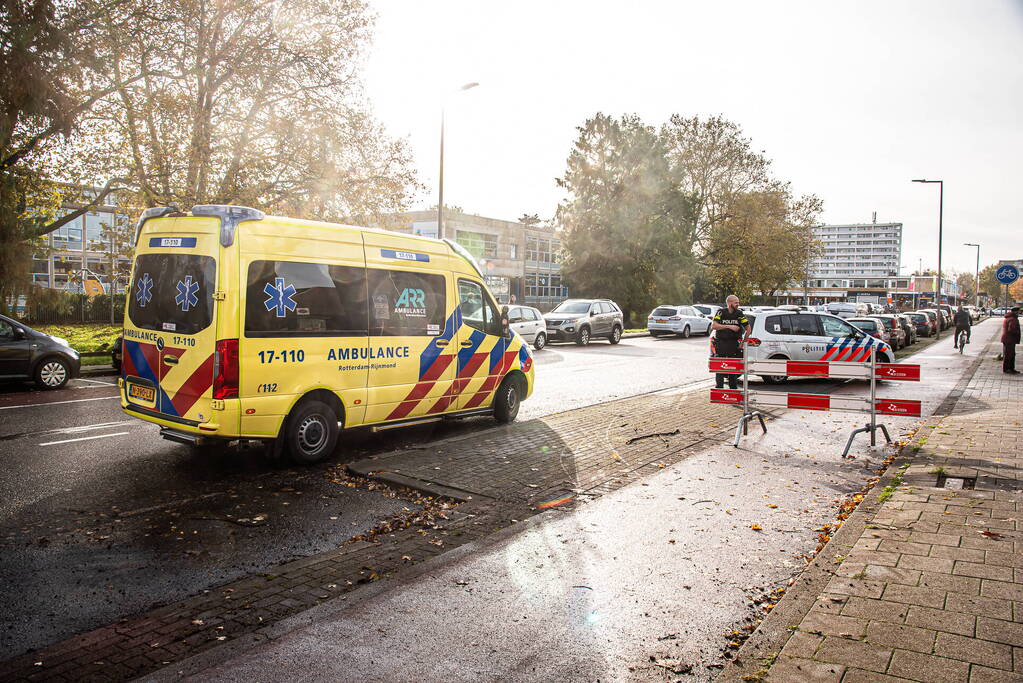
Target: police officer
pixel 731 326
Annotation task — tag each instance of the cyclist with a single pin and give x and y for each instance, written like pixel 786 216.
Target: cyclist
pixel 963 324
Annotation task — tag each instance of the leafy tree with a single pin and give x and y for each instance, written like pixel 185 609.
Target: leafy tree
pixel 51 74
pixel 967 286
pixel 764 244
pixel 250 102
pixel 989 284
pixel 624 221
pixel 529 219
pixel 714 163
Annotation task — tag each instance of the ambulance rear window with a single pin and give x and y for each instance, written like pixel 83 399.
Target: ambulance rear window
pixel 172 292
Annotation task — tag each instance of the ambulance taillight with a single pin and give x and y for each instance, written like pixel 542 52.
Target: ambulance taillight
pixel 225 369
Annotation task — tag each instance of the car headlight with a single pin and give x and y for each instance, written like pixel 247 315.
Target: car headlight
pixel 61 341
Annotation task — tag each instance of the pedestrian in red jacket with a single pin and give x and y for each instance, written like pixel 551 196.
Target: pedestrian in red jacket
pixel 1010 337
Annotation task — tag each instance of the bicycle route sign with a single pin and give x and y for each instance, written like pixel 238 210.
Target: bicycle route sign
pixel 1007 274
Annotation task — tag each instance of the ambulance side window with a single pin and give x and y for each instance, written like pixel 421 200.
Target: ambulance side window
pixel 478 312
pixel 293 299
pixel 406 303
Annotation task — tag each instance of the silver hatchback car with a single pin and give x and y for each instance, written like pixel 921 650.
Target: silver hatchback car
pixel 529 324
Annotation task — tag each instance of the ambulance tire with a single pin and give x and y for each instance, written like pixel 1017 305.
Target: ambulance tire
pixel 508 399
pixel 685 332
pixel 311 432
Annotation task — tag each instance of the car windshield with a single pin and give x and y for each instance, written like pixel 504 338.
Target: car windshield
pixel 572 307
pixel 703 309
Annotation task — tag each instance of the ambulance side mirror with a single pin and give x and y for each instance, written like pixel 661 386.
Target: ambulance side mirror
pixel 505 327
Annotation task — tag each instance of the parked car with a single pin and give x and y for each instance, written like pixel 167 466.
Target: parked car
pixel 811 336
pixel 896 334
pixel 844 309
pixel 680 320
pixel 115 353
pixel 709 310
pixel 872 326
pixel 939 318
pixel 908 327
pixel 580 320
pixel 922 322
pixel 529 324
pixel 29 354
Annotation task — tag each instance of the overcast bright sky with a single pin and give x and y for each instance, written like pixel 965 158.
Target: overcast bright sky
pixel 850 100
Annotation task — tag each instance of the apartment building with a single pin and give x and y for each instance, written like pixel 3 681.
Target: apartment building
pixel 858 250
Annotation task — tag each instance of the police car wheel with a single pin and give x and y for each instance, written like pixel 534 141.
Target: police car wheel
pixel 507 401
pixel 540 341
pixel 311 433
pixel 583 338
pixel 616 335
pixel 775 379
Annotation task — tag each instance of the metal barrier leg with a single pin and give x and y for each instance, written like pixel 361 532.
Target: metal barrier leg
pixel 885 430
pixel 848 444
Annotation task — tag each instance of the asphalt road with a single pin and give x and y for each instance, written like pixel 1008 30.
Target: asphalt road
pixel 92 501
pixel 100 518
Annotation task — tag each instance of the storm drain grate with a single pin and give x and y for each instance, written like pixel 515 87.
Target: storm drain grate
pixel 958 483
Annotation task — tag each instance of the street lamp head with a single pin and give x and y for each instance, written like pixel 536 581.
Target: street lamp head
pixel 469 86
pixel 919 180
pixel 970 244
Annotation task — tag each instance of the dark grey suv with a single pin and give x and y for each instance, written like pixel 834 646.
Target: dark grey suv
pixel 580 320
pixel 28 354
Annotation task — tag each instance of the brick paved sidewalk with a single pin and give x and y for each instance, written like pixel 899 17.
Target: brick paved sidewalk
pixel 933 589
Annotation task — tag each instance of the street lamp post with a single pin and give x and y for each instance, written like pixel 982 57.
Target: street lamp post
pixel 976 275
pixel 941 210
pixel 440 182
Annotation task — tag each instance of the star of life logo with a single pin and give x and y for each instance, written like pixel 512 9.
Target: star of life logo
pixel 279 297
pixel 186 298
pixel 144 290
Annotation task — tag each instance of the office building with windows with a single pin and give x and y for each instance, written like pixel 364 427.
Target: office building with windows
pixel 85 245
pixel 517 259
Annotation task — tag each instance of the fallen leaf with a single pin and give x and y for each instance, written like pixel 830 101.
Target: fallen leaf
pixel 756 527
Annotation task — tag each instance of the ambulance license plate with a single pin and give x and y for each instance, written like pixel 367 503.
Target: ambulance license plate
pixel 661 320
pixel 140 392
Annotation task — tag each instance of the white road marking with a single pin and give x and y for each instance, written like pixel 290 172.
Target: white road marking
pixel 83 438
pixel 86 428
pixel 57 403
pixel 97 381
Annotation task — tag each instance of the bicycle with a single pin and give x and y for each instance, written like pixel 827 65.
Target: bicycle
pixel 961 341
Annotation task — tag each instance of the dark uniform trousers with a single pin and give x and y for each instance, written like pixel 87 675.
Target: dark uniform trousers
pixel 728 349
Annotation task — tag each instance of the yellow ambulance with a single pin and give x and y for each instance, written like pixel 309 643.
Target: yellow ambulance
pixel 241 325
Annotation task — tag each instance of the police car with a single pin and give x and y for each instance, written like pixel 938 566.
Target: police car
pixel 811 336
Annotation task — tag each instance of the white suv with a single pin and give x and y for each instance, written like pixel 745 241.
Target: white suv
pixel 812 336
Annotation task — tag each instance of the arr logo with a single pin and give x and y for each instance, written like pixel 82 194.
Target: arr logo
pixel 411 298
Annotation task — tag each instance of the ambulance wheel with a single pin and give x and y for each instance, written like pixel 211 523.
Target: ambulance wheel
pixel 507 400
pixel 685 332
pixel 540 341
pixel 616 335
pixel 583 337
pixel 311 432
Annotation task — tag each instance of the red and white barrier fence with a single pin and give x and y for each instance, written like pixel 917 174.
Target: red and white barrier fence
pixel 824 402
pixel 816 368
pixel 821 369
